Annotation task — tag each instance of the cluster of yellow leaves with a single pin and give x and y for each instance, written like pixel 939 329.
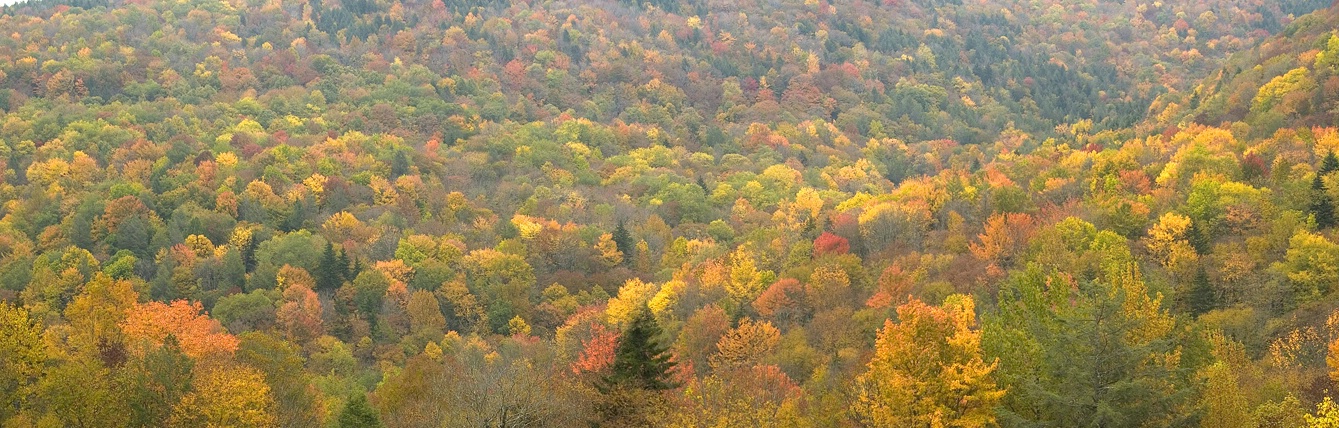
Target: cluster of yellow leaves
pixel 631 297
pixel 383 191
pixel 96 313
pixel 746 344
pixel 235 396
pixel 1311 264
pixel 344 227
pixel 1168 241
pixel 928 370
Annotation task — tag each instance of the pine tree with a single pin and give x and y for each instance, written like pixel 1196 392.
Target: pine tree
pixel 399 165
pixel 249 254
pixel 641 362
pixel 1201 297
pixel 354 269
pixel 329 272
pixel 358 414
pixel 298 218
pixel 623 240
pixel 1329 164
pixel 1321 206
pixel 1199 240
pixel 346 268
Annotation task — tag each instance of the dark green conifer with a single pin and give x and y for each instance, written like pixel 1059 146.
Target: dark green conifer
pixel 623 240
pixel 641 362
pixel 1321 206
pixel 329 271
pixel 358 414
pixel 1201 298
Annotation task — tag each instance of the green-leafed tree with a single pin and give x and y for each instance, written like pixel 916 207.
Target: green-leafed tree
pixel 630 393
pixel 1078 352
pixel 358 414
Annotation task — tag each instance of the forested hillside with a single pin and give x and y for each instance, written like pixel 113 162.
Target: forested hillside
pixel 1287 82
pixel 688 213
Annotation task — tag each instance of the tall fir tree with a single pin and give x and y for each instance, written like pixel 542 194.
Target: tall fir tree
pixel 623 240
pixel 249 253
pixel 1329 164
pixel 329 272
pixel 346 268
pixel 632 392
pixel 399 164
pixel 358 413
pixel 1201 297
pixel 1321 205
pixel 641 362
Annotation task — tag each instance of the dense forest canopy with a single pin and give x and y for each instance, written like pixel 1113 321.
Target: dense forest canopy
pixel 974 213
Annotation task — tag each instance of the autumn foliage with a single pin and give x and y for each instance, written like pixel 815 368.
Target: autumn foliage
pixel 659 213
pixel 198 335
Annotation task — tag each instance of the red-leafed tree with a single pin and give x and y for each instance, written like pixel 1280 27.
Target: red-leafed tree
pixel 597 353
pixel 784 301
pixel 827 243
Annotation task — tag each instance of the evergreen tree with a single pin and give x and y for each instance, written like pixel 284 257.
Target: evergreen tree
pixel 399 165
pixel 1329 164
pixel 346 268
pixel 358 414
pixel 623 240
pixel 1201 298
pixel 297 219
pixel 249 253
pixel 1199 240
pixel 1321 206
pixel 329 272
pixel 353 270
pixel 640 362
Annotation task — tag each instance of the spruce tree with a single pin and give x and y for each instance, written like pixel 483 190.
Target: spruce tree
pixel 1329 164
pixel 641 362
pixel 1201 298
pixel 297 219
pixel 358 414
pixel 399 165
pixel 623 240
pixel 249 253
pixel 329 272
pixel 1321 206
pixel 345 265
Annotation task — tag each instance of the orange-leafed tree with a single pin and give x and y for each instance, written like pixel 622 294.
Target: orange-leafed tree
pixel 894 286
pixel 199 335
pixel 597 353
pixel 1000 242
pixel 784 301
pixel 300 313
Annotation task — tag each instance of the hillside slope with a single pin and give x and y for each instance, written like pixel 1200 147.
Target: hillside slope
pixel 1291 80
pixel 665 214
pixel 924 70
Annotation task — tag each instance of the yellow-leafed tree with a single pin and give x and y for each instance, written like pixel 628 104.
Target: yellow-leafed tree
pixel 226 396
pixel 928 370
